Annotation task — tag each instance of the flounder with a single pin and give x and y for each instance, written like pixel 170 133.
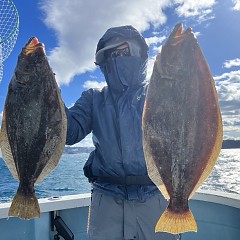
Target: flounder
pixel 182 127
pixel 34 124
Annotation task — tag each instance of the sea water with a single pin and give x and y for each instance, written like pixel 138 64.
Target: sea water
pixel 68 177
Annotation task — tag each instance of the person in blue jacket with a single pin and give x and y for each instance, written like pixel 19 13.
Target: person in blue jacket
pixel 125 203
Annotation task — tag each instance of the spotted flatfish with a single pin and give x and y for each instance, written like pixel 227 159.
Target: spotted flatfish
pixel 182 127
pixel 34 124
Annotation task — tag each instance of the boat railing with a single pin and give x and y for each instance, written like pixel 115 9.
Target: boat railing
pixel 217 215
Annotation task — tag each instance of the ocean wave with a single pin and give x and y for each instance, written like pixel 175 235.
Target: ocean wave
pixel 68 177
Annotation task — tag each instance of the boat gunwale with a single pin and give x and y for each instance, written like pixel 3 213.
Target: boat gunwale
pixel 54 203
pixel 224 198
pixel 84 200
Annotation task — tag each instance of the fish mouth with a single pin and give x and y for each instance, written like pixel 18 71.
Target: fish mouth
pixel 177 36
pixel 33 45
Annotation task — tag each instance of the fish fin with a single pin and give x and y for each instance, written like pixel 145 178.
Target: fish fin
pixel 6 150
pixel 57 148
pixel 153 171
pixel 156 179
pixel 176 223
pixel 24 207
pixel 212 158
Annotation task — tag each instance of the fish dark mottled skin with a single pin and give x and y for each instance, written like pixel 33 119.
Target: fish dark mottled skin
pixel 182 127
pixel 33 132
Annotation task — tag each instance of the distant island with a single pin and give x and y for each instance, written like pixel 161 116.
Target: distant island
pixel 231 144
pixel 227 144
pixel 76 150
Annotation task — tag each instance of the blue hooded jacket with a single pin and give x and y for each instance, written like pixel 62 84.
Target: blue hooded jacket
pixel 114 116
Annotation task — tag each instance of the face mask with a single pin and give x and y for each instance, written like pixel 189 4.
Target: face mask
pixel 123 72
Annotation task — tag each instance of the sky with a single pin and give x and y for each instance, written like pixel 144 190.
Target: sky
pixel 70 31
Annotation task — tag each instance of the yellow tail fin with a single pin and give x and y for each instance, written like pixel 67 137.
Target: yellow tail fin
pixel 24 207
pixel 176 223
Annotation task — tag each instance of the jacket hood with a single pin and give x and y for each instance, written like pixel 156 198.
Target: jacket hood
pixel 122 34
pixel 123 72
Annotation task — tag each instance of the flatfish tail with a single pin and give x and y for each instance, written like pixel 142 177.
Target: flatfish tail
pixel 176 223
pixel 24 207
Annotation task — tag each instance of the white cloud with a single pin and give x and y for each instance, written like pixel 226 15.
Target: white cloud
pixel 229 76
pixel 190 8
pixel 79 24
pixel 232 63
pixel 155 46
pixel 228 87
pixel 236 5
pixel 94 84
pixel 150 67
pixel 155 40
pixel 197 34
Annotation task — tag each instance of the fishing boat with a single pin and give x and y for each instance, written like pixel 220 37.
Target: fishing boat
pixel 217 215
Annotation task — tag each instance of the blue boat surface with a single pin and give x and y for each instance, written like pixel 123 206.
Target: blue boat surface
pixel 217 215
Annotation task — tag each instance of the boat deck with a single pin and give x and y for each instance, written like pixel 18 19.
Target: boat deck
pixel 217 215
